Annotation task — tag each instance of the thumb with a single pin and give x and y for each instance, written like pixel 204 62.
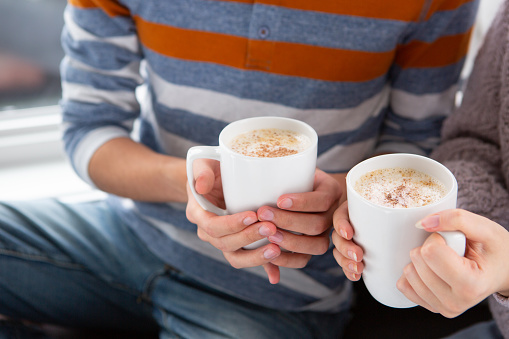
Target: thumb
pixel 456 220
pixel 203 171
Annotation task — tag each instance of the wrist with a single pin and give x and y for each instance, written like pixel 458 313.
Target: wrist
pixel 173 172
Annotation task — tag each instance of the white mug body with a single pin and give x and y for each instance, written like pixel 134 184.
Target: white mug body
pixel 387 235
pixel 251 182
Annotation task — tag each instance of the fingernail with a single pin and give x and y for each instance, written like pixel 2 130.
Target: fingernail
pixel 264 230
pixel 429 223
pixel 277 237
pixel 269 254
pixel 267 215
pixel 352 267
pixel 249 220
pixel 285 203
pixel 352 255
pixel 343 233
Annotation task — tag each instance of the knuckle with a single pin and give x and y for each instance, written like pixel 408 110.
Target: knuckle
pixel 322 246
pixel 335 238
pixel 458 216
pixel 221 245
pixel 201 235
pixel 302 261
pixel 283 261
pixel 401 285
pixel 338 256
pixel 451 309
pixel 231 227
pixel 205 227
pixel 414 253
pixel 189 215
pixel 233 262
pixel 428 251
pixel 253 236
pixel 319 226
pixel 407 270
pixel 327 202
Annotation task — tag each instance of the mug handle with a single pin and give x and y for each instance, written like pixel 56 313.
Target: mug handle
pixel 455 240
pixel 202 152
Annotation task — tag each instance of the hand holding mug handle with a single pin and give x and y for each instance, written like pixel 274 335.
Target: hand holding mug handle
pixel 202 152
pixel 455 240
pixel 455 284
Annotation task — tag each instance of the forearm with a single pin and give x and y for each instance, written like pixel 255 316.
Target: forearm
pixel 126 168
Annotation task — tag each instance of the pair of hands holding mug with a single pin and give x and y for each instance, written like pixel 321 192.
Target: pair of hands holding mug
pixel 437 278
pixel 307 213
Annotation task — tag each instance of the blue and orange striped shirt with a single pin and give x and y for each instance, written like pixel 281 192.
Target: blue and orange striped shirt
pixel 370 76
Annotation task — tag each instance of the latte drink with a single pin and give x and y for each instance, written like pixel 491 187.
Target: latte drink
pixel 399 188
pixel 270 143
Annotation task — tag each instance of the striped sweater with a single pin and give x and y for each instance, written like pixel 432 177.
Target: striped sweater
pixel 368 75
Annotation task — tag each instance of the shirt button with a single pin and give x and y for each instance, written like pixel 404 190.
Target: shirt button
pixel 263 32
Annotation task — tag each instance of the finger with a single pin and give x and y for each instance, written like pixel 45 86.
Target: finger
pixel 342 222
pixel 194 212
pixel 458 220
pixel 305 223
pixel 428 286
pixel 272 273
pixel 406 288
pixel 347 248
pixel 204 171
pixel 291 260
pixel 326 194
pixel 218 226
pixel 252 258
pixel 445 264
pixel 299 243
pixel 233 242
pixel 347 265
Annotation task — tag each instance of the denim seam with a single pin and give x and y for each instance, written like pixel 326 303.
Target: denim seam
pixel 165 320
pixel 149 283
pixel 69 265
pixel 34 257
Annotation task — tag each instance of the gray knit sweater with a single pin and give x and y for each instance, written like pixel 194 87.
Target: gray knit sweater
pixel 476 140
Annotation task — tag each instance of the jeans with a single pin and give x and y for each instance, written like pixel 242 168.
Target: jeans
pixel 78 265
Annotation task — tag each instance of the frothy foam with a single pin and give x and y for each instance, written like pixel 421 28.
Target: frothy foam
pixel 270 143
pixel 399 188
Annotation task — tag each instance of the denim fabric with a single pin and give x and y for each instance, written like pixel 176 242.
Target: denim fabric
pixel 78 265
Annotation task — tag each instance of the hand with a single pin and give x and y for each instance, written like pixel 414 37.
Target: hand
pixel 443 282
pixel 229 233
pixel 347 253
pixel 310 215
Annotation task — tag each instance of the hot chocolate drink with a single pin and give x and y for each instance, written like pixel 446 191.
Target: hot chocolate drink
pixel 270 143
pixel 399 188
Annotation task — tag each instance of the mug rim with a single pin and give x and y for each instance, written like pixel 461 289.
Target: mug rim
pixel 451 191
pixel 311 130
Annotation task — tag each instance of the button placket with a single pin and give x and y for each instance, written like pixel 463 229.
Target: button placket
pixel 263 32
pixel 260 49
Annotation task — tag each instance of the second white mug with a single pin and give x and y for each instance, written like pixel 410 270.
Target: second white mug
pixel 386 234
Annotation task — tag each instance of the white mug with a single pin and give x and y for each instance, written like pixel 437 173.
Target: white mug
pixel 252 182
pixel 387 235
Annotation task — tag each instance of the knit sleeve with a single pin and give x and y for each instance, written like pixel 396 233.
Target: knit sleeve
pixel 471 146
pixel 473 138
pixel 99 76
pixel 499 307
